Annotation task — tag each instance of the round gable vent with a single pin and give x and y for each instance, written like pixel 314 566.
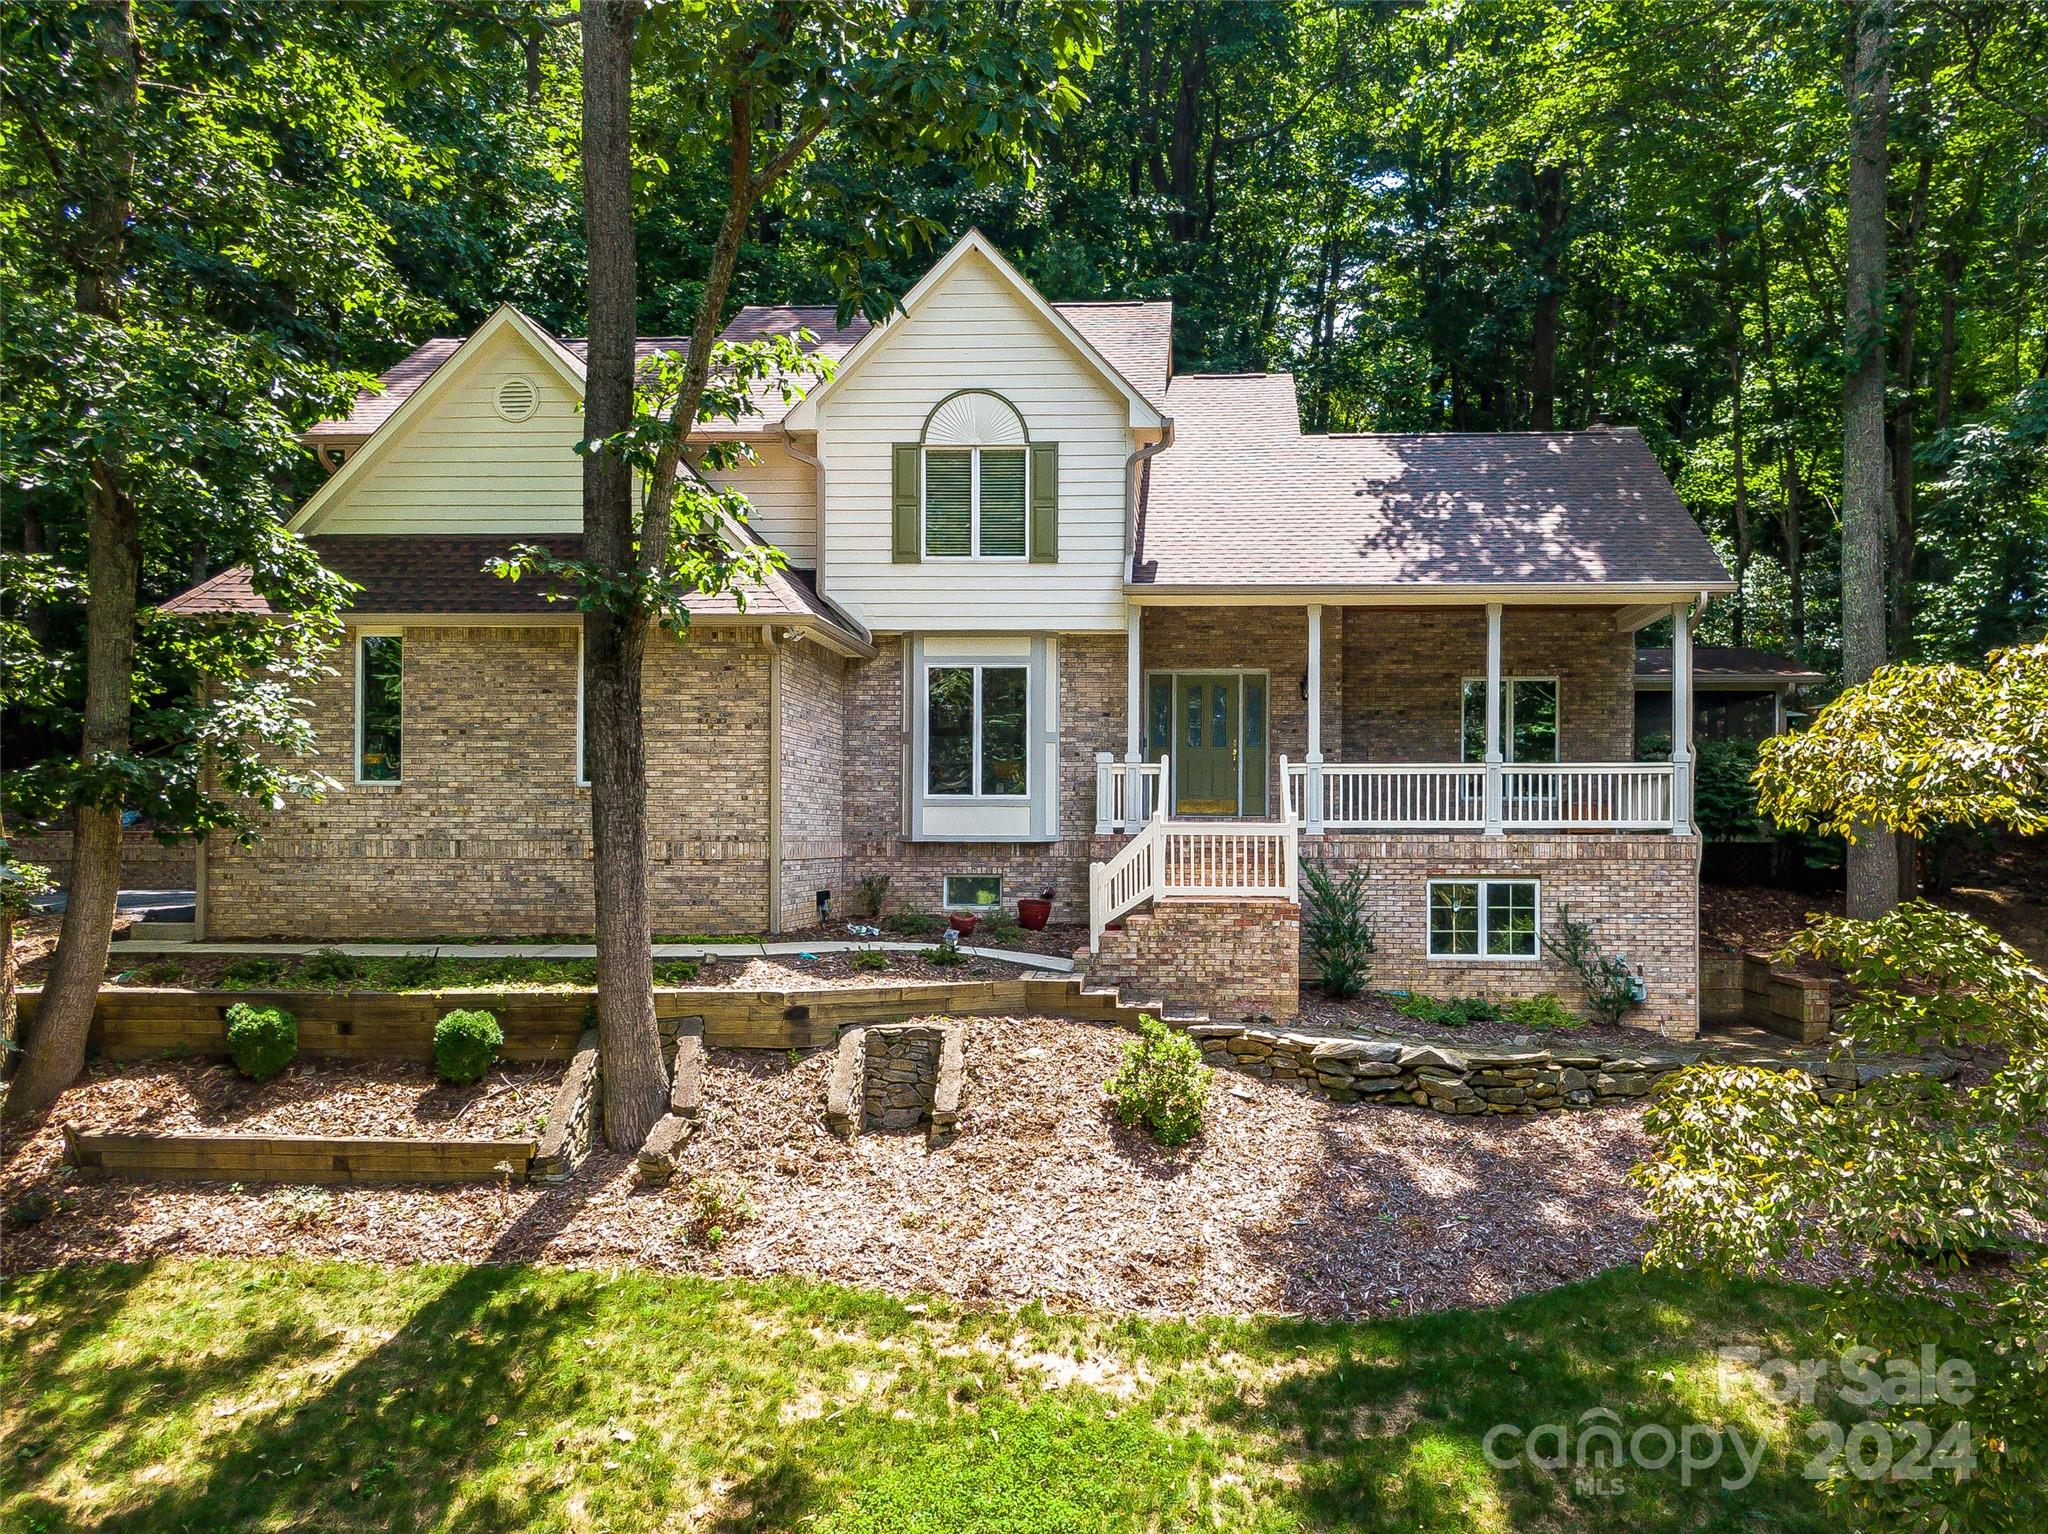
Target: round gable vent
pixel 517 398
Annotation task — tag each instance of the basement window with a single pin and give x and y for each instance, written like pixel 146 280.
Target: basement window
pixel 973 892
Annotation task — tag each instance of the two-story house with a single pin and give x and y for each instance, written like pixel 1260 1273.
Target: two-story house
pixel 1045 594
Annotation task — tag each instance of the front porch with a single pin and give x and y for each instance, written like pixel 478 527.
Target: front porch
pixel 1483 719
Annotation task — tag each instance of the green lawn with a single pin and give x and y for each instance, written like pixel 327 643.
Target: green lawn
pixel 246 1395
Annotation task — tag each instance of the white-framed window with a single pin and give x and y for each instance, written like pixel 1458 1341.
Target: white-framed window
pixel 977 722
pixel 1529 719
pixel 380 705
pixel 1484 919
pixel 582 718
pixel 977 502
pixel 972 892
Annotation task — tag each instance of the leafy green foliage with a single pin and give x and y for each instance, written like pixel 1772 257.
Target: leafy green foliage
pixel 1605 977
pixel 1455 1012
pixel 250 973
pixel 261 1040
pixel 1161 1084
pixel 1753 1170
pixel 327 967
pixel 913 923
pixel 1337 929
pixel 871 960
pixel 874 895
pixel 719 1205
pixel 1544 1013
pixel 675 971
pixel 1917 748
pixel 945 955
pixel 466 1044
pixel 1724 790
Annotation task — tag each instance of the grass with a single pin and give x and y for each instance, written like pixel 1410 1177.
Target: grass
pixel 286 1394
pixel 329 970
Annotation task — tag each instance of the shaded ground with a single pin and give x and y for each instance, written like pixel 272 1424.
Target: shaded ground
pixel 371 1098
pixel 298 1395
pixel 1286 1203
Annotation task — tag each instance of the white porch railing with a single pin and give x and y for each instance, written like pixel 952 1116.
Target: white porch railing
pixel 1242 859
pixel 1635 796
pixel 1605 796
pixel 1389 798
pixel 1126 793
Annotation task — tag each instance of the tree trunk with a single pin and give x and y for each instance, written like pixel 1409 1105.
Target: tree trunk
pixel 629 1042
pixel 113 564
pixel 1873 876
pixel 1550 206
pixel 1745 540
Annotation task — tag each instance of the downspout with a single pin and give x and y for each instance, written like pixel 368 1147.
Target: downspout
pixel 1132 467
pixel 774 780
pixel 817 507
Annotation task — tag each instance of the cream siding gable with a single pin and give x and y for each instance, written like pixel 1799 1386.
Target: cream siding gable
pixel 458 466
pixel 783 491
pixel 975 331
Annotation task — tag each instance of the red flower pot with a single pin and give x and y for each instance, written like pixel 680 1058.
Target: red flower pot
pixel 1033 914
pixel 962 923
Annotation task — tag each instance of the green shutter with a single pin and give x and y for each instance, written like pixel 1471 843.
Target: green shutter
pixel 903 501
pixel 1045 502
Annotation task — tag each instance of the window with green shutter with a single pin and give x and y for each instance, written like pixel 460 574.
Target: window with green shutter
pixel 948 502
pixel 980 487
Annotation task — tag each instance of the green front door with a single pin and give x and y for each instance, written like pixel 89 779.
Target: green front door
pixel 1205 744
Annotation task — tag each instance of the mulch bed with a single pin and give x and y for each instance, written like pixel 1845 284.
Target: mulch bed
pixel 1735 918
pixel 384 1098
pixel 1286 1203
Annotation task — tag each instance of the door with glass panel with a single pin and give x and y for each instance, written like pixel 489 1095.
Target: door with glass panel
pixel 1213 726
pixel 1528 734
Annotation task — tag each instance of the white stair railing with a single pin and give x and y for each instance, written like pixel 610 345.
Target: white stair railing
pixel 1126 793
pixel 1236 859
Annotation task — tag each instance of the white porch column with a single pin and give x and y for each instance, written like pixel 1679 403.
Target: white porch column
pixel 1681 718
pixel 1135 811
pixel 1312 781
pixel 1494 776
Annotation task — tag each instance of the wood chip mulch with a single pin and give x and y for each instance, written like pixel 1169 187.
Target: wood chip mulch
pixel 1375 1016
pixel 1286 1203
pixel 388 1098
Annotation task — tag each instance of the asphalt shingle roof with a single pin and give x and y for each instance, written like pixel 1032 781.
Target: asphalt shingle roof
pixel 406 573
pixel 1725 660
pixel 1241 500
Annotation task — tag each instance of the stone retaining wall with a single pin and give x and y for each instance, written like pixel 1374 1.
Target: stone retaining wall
pixel 893 1076
pixel 1488 1081
pixel 573 1116
pixel 1228 958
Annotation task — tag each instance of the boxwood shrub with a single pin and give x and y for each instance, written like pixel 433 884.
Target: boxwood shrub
pixel 261 1040
pixel 465 1044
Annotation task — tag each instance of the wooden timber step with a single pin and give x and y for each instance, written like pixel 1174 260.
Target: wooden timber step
pixel 201 1157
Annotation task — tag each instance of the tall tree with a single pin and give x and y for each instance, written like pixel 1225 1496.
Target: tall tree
pixel 762 92
pixel 1873 886
pixel 186 262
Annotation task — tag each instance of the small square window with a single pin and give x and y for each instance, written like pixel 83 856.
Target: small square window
pixel 1489 918
pixel 974 892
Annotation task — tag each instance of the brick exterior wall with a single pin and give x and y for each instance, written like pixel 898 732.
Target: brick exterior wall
pixel 1404 672
pixel 1091 702
pixel 1233 959
pixel 146 863
pixel 1269 639
pixel 1641 894
pixel 489 834
pixel 812 744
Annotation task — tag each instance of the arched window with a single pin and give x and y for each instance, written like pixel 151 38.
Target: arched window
pixel 975 467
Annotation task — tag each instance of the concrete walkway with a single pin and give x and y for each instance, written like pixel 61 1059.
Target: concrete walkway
pixel 135 943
